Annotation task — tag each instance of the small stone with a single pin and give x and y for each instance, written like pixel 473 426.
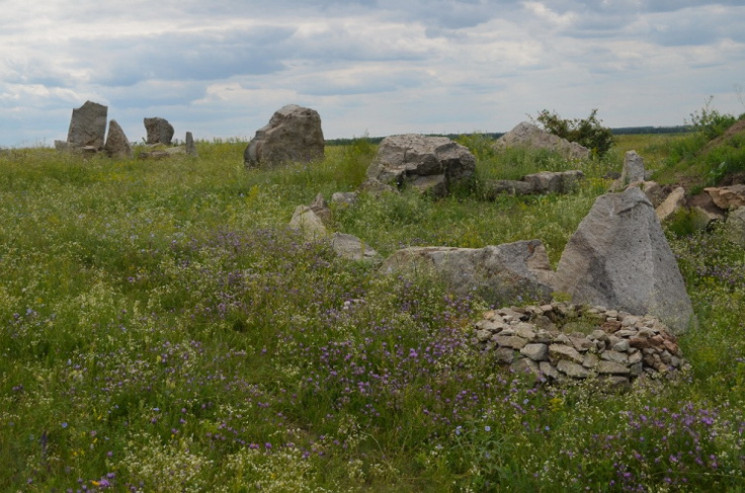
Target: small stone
pixel 639 342
pixel 492 327
pixel 612 367
pixel 614 356
pixel 666 357
pixel 671 346
pixel 536 352
pixel 508 331
pixel 572 370
pixel 513 342
pixel 564 352
pixel 563 339
pixel 525 330
pixel 582 344
pixel 636 369
pixel 504 355
pixel 625 333
pixel 483 335
pixel 635 357
pixel 548 370
pixel 611 326
pixel 621 346
pixel 598 335
pixel 525 366
pixel 590 361
pixel 675 361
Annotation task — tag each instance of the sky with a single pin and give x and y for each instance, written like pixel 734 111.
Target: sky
pixel 220 68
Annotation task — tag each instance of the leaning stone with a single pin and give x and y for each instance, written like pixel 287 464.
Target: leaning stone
pixel 672 204
pixel 572 370
pixel 117 144
pixel 536 352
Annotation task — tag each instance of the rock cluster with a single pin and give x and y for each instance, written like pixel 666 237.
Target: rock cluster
pixel 429 164
pixel 563 342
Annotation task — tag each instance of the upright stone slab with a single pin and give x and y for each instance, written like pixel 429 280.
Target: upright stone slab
pixel 619 258
pixel 87 126
pixel 117 145
pixel 633 168
pixel 293 134
pixel 191 149
pixel 159 131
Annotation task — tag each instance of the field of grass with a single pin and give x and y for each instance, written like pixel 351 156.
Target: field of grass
pixel 162 330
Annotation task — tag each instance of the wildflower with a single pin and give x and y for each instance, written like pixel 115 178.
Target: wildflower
pixel 487 428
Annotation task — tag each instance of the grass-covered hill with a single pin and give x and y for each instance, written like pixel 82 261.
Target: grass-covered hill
pixel 162 330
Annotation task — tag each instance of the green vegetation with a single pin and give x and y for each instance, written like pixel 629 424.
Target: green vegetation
pixel 588 132
pixel 162 330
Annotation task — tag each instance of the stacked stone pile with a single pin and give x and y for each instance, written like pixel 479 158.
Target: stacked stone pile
pixel 561 342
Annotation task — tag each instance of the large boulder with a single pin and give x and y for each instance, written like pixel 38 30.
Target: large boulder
pixel 117 145
pixel 503 275
pixel 87 126
pixel 430 164
pixel 159 131
pixel 528 135
pixel 619 258
pixel 293 134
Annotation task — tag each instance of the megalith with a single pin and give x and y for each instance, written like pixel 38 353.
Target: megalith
pixel 159 131
pixel 619 258
pixel 293 134
pixel 87 126
pixel 117 145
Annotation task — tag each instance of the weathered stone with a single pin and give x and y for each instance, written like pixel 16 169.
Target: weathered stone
pixel 513 342
pixel 621 346
pixel 305 220
pixel 504 355
pixel 572 370
pixel 633 168
pixel 117 145
pixel 727 198
pixel 345 198
pixel 527 135
pixel 503 274
pixel 430 164
pixel 321 209
pixel 536 352
pixel 612 367
pixel 350 247
pixel 672 204
pixel 619 257
pixel 525 330
pixel 191 148
pixel 293 134
pixel 548 370
pixel 563 352
pixel 159 131
pixel 654 192
pixel 483 335
pixel 526 367
pixel 614 356
pixel 494 188
pixel 554 181
pixel 590 361
pixel 87 126
pixel 735 226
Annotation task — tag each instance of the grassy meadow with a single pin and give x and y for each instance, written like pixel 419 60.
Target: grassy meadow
pixel 162 330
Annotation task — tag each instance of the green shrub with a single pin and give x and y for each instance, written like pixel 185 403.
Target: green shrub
pixel 587 132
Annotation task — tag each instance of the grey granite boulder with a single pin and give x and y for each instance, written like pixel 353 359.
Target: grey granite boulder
pixel 633 168
pixel 293 134
pixel 505 274
pixel 159 131
pixel 430 164
pixel 619 258
pixel 528 135
pixel 87 126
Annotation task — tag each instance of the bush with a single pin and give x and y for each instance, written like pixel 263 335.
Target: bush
pixel 588 132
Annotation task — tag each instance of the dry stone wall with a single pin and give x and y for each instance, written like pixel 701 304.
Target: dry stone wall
pixel 562 341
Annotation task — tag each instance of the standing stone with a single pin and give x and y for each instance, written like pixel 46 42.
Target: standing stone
pixel 191 149
pixel 117 145
pixel 87 126
pixel 633 168
pixel 293 134
pixel 430 164
pixel 619 258
pixel 159 131
pixel 507 274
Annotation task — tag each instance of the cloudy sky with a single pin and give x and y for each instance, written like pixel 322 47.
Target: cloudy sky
pixel 220 68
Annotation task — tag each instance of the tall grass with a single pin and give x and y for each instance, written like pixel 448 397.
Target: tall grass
pixel 161 329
